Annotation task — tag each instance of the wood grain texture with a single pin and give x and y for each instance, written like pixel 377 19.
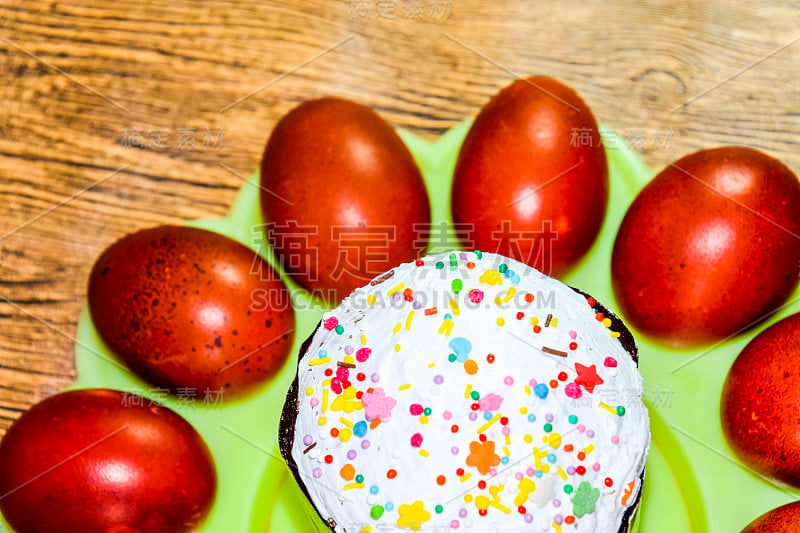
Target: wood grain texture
pixel 82 78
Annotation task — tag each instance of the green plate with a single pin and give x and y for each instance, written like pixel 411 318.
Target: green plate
pixel 693 483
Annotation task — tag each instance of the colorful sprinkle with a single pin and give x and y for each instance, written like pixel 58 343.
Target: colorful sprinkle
pixel 471 367
pixel 573 390
pixel 585 498
pixel 456 285
pixel 454 307
pixel 482 456
pixel 475 296
pixel 395 289
pixel 348 472
pixel 552 351
pixel 413 516
pixel 541 390
pixel 377 405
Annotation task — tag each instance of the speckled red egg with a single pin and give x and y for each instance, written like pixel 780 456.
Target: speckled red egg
pixel 191 311
pixel 709 247
pixel 783 519
pixel 100 461
pixel 531 180
pixel 761 401
pixel 343 198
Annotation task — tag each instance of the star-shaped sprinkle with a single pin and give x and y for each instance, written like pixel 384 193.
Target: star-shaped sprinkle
pixel 585 499
pixel 587 376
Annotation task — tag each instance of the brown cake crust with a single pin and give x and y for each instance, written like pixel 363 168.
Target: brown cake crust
pixel 292 407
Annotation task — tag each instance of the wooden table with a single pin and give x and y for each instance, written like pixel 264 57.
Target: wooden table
pixel 120 115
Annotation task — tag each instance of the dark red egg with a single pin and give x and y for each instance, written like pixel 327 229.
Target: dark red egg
pixel 709 247
pixel 783 519
pixel 191 311
pixel 531 181
pixel 343 198
pixel 96 460
pixel 761 401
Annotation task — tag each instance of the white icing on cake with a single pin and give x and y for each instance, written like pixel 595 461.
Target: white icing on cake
pixel 545 458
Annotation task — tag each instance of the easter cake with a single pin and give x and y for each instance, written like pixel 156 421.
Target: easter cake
pixel 468 391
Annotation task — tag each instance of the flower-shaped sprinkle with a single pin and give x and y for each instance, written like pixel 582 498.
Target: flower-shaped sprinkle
pixel 378 405
pixel 482 456
pixel 413 516
pixel 490 402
